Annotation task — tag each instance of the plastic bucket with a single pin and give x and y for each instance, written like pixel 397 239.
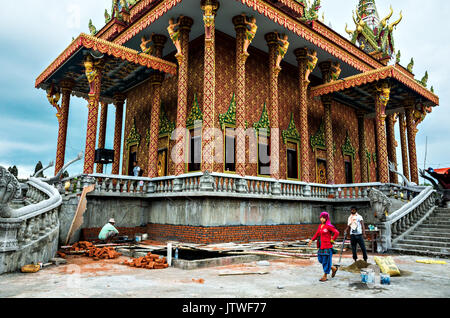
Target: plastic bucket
pixel 364 276
pixel 385 279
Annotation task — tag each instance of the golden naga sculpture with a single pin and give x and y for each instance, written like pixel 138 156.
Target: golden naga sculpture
pixel 53 96
pixel 384 92
pixel 209 16
pixel 249 34
pixel 282 50
pixel 310 64
pixel 144 45
pixel 393 25
pixel 175 35
pixel 383 22
pixel 92 70
pixel 419 116
pixel 335 71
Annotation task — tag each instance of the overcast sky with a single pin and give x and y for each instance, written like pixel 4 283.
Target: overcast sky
pixel 33 33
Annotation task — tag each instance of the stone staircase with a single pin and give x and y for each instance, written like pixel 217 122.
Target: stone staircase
pixel 431 238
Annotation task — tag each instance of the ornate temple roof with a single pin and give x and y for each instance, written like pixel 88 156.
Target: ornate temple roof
pixel 124 67
pixel 359 90
pixel 373 36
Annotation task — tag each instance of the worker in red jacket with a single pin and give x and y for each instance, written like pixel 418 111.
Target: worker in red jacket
pixel 325 245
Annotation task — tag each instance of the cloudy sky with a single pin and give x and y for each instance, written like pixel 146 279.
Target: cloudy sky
pixel 34 33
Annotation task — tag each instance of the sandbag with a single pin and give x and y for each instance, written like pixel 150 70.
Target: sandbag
pixel 387 265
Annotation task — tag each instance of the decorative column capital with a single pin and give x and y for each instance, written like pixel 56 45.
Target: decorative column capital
pixel 330 71
pixel 159 41
pixel 327 100
pixel 119 99
pixel 156 79
pixel 307 60
pixel 239 22
pixel 271 38
pixel 360 114
pixel 186 23
pixel 67 84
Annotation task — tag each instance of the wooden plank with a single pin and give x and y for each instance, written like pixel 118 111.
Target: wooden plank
pixel 242 273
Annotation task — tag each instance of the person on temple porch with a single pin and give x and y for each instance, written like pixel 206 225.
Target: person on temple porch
pixel 356 228
pixel 108 232
pixel 136 169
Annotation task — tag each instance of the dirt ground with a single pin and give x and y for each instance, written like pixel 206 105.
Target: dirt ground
pixel 83 277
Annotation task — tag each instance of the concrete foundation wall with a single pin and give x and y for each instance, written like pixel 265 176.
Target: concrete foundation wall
pixel 203 212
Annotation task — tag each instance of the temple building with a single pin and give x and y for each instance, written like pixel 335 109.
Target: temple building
pixel 251 89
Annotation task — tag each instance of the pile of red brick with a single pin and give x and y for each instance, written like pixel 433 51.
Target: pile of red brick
pixel 93 251
pixel 81 246
pixel 102 253
pixel 151 261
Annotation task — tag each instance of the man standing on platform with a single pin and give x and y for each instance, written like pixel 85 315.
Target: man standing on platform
pixel 136 169
pixel 356 228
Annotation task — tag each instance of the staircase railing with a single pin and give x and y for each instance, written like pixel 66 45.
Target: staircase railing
pixel 403 221
pixel 30 235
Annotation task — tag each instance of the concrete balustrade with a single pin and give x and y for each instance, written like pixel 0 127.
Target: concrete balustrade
pixel 30 235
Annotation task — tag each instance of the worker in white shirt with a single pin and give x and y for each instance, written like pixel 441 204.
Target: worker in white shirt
pixel 356 228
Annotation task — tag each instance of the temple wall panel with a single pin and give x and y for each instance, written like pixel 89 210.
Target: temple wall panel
pixel 257 90
pixel 344 119
pixel 138 111
pixel 372 148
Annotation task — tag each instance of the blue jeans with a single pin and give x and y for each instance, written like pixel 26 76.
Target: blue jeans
pixel 326 259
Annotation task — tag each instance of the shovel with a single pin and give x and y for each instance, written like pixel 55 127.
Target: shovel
pixel 342 250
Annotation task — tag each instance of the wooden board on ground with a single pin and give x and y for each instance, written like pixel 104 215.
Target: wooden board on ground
pixel 242 273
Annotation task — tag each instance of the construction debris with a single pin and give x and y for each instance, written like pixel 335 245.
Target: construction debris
pixel 150 261
pixel 90 250
pixel 102 253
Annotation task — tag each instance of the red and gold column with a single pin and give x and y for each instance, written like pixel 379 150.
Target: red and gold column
pixel 330 72
pixel 209 8
pixel 306 64
pixel 328 123
pixel 93 70
pixel 102 132
pixel 381 100
pixel 362 147
pixel 241 59
pixel 156 82
pixel 392 145
pixel 183 63
pixel 63 118
pixel 404 145
pixel 411 128
pixel 119 101
pixel 273 41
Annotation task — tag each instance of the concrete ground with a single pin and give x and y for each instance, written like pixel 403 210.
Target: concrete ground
pixel 83 277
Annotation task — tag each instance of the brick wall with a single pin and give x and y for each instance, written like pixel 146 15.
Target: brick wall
pixel 89 234
pixel 238 234
pixel 219 234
